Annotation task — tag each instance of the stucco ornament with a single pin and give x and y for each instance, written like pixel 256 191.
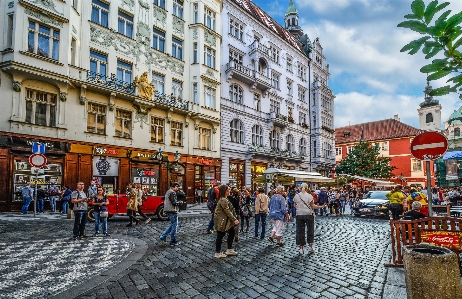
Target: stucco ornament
pixel 210 38
pixel 128 3
pixel 16 86
pixel 159 16
pixel 145 88
pixel 178 26
pixel 63 96
pixel 43 18
pixel 82 100
pixel 48 4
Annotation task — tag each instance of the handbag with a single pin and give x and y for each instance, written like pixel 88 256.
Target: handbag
pixel 104 214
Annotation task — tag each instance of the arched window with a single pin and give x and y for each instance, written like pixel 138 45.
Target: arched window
pixel 457 132
pixel 274 139
pixel 290 145
pixel 303 146
pixel 429 118
pixel 257 135
pixel 235 93
pixel 236 131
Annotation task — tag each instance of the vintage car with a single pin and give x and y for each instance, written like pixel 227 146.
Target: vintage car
pixel 374 204
pixel 154 205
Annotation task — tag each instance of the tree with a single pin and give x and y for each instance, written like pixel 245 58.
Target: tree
pixel 441 36
pixel 365 160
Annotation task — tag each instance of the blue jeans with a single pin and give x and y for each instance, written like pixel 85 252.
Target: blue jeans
pixel 103 221
pixel 262 217
pixel 210 226
pixel 351 207
pixel 322 211
pixel 26 202
pixel 53 203
pixel 342 206
pixel 172 228
pixel 64 204
pixel 80 219
pixel 40 205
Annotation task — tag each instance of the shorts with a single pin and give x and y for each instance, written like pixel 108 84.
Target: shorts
pixel 278 227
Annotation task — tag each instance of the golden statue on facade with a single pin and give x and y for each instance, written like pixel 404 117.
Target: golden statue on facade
pixel 145 88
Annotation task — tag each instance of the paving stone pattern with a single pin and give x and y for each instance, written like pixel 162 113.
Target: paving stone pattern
pixel 348 263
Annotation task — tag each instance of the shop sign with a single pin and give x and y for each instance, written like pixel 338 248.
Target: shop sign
pixel 100 151
pixel 177 168
pixel 205 161
pixel 105 166
pixel 443 238
pixel 142 172
pixel 146 155
pixel 258 169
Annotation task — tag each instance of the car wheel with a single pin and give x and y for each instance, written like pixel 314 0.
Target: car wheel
pixel 160 213
pixel 90 215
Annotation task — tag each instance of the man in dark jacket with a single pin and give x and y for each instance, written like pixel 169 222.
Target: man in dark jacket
pixel 212 196
pixel 323 200
pixel 41 194
pixel 171 208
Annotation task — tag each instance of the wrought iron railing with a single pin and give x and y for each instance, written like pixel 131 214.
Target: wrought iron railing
pixel 171 100
pixel 110 82
pixel 275 151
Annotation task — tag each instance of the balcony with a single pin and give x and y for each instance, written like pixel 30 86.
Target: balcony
pixel 247 76
pixel 277 120
pixel 171 100
pixel 274 152
pixel 259 49
pixel 110 82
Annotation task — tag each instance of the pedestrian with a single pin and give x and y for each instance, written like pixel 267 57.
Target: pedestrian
pixel 225 219
pixel 100 202
pixel 415 213
pixel 343 198
pixel 199 195
pixel 53 196
pixel 132 205
pixel 234 198
pixel 261 211
pixel 171 208
pixel 41 194
pixel 396 198
pixel 416 195
pixel 246 211
pixel 323 200
pixel 304 202
pixel 352 199
pixel 27 194
pixel 92 189
pixel 278 212
pixel 212 200
pixel 65 199
pixel 79 199
pixel 142 197
pixel 290 201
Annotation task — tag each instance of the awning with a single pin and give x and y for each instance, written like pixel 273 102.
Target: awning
pixel 298 175
pixel 452 155
pixel 371 180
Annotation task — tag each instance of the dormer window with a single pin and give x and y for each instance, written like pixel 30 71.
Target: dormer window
pixel 346 134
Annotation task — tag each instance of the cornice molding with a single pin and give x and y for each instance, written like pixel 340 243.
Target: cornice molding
pixel 43 8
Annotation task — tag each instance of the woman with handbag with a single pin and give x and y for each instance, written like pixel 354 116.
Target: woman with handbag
pixel 246 211
pixel 99 202
pixel 142 197
pixel 224 219
pixel 132 204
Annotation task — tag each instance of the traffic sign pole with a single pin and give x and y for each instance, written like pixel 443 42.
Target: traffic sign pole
pixel 35 195
pixel 429 189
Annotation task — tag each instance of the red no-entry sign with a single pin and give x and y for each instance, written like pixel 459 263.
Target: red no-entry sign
pixel 429 146
pixel 37 160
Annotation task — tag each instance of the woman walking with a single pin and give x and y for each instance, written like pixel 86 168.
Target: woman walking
pixel 99 202
pixel 132 204
pixel 142 197
pixel 278 212
pixel 396 198
pixel 245 208
pixel 234 200
pixel 225 219
pixel 305 218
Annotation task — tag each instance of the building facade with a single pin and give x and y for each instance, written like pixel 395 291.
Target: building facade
pixel 266 82
pixel 119 91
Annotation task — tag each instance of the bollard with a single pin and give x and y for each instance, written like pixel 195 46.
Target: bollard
pixel 431 272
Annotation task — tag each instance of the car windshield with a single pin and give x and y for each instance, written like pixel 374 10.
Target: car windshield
pixel 376 195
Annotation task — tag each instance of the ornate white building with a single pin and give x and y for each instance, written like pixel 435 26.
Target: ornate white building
pixel 276 106
pixel 123 84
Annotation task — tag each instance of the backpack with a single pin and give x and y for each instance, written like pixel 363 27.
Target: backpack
pixel 211 199
pixel 53 192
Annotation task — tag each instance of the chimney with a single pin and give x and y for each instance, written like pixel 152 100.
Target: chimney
pixel 396 117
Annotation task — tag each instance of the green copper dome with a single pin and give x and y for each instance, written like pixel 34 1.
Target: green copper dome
pixel 454 118
pixel 291 10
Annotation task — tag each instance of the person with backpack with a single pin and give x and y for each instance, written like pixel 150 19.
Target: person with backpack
pixel 80 201
pixel 212 200
pixel 65 199
pixel 53 196
pixel 41 194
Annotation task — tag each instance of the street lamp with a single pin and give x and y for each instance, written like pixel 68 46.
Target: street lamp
pixel 159 154
pixel 176 157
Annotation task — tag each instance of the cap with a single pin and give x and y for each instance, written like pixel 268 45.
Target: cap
pixel 323 188
pixel 175 185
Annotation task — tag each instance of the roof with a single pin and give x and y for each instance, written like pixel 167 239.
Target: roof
pixel 291 9
pixel 267 21
pixel 455 117
pixel 376 130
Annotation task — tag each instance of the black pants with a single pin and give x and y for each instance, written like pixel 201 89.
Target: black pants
pixel 246 218
pixel 80 219
pixel 221 235
pixel 141 213
pixel 302 222
pixel 132 215
pixel 396 210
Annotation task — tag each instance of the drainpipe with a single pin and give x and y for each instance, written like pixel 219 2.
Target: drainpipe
pixel 309 107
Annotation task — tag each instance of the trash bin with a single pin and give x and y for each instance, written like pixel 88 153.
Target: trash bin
pixel 431 272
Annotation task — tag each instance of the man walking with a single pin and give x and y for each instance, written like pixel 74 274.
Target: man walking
pixel 212 200
pixel 171 208
pixel 27 194
pixel 41 194
pixel 79 199
pixel 261 210
pixel 323 199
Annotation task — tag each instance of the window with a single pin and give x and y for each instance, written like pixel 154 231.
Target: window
pixel 96 120
pixel 236 29
pixel 176 133
pixel 100 13
pixel 429 118
pixel 209 97
pixel 124 72
pixel 177 48
pixel 301 94
pixel 457 132
pixel 274 54
pixel 125 24
pixel 289 87
pixel 178 8
pixel 315 149
pixel 40 108
pixel 384 145
pixel 301 71
pixel 123 125
pixel 9 34
pixel 196 13
pixel 205 138
pixel 177 89
pixel 289 64
pixel 73 51
pixel 416 165
pixel 98 65
pixel 236 93
pixel 289 112
pixel 158 81
pixel 209 57
pixel 275 106
pixel 209 19
pixel 256 102
pixel 338 151
pixel 75 4
pixel 350 149
pixel 302 117
pixel 303 146
pixel 43 41
pixel 196 53
pixel 160 3
pixel 274 139
pixel 275 80
pixel 236 57
pixel 236 131
pixel 157 129
pixel 195 94
pixel 257 135
pixel 290 146
pixel 158 40
pixel 314 121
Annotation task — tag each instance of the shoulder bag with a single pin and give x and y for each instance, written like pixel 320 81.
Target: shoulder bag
pixel 298 194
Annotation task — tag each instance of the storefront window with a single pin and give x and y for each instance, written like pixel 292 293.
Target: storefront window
pixel 148 178
pixel 236 174
pixel 258 177
pixel 106 172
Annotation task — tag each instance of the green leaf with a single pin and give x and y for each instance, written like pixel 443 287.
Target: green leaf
pixel 431 68
pixel 416 44
pixel 441 6
pixel 418 8
pixel 454 20
pixel 430 11
pixel 438 75
pixel 414 25
pixel 433 52
pixel 442 19
pixel 441 91
pixel 411 17
pixel 456 79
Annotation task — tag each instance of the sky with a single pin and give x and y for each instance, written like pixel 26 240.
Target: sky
pixel 371 79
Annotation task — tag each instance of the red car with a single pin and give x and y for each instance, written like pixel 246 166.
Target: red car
pixel 154 205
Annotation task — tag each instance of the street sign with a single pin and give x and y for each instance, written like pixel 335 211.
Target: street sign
pixel 38 148
pixel 429 146
pixel 37 160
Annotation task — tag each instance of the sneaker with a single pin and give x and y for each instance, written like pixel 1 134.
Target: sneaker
pixel 208 232
pixel 230 252
pixel 75 238
pixel 148 220
pixel 301 251
pixel 261 238
pixel 175 243
pixel 106 234
pixel 164 239
pixel 83 237
pixel 271 240
pixel 220 255
pixel 311 250
pixel 279 244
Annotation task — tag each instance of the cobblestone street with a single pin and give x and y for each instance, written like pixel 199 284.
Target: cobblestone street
pixel 41 261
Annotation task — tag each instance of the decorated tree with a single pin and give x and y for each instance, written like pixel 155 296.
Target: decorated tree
pixel 365 160
pixel 441 37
